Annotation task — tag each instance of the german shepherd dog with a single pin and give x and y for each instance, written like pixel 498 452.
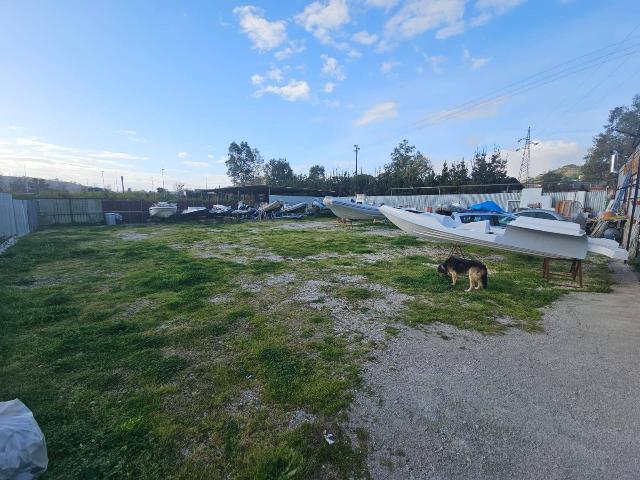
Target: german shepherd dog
pixel 476 270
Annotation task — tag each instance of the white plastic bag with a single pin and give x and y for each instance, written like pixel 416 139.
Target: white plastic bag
pixel 23 451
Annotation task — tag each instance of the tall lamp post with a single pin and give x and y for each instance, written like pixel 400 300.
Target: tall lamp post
pixel 356 148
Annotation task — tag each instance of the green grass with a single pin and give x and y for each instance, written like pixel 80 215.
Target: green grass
pixel 133 373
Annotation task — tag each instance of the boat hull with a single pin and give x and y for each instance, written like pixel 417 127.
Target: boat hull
pixel 353 211
pixel 514 239
pixel 162 212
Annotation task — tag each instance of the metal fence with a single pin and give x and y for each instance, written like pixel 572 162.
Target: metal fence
pixel 594 200
pixel 17 217
pixel 55 211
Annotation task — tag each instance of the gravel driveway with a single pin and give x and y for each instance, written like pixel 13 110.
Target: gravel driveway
pixel 560 404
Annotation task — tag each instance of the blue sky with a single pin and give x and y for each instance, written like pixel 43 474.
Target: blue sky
pixel 129 88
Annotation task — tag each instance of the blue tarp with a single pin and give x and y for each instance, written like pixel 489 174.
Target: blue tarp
pixel 487 206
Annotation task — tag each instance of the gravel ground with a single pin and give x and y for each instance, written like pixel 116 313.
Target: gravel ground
pixel 562 404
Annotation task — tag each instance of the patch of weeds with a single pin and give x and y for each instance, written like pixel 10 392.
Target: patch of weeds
pixel 391 330
pixel 358 293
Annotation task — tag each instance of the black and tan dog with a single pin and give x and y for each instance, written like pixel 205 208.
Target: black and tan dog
pixel 455 266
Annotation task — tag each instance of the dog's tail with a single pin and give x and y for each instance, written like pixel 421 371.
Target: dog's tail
pixel 484 277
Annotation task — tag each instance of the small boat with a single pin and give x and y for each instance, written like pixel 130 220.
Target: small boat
pixel 352 210
pixel 219 210
pixel 273 206
pixel 243 210
pixel 163 209
pixel 531 236
pixel 194 212
pixel 297 208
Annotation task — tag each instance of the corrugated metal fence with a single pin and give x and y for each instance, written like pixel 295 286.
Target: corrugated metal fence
pixel 54 211
pixel 17 217
pixel 595 200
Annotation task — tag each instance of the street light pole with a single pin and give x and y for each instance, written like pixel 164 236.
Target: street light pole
pixel 163 179
pixel 103 187
pixel 356 148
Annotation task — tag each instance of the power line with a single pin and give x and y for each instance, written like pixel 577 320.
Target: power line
pixel 515 89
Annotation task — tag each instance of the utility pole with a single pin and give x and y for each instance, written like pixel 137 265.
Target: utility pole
pixel 356 148
pixel 122 182
pixel 103 187
pixel 163 179
pixel 523 176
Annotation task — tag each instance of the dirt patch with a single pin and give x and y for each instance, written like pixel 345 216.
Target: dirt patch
pixel 298 417
pixel 446 403
pixel 354 318
pixel 136 236
pixel 137 306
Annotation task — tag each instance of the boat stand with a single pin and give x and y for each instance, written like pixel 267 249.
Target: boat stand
pixel 456 250
pixel 575 271
pixel 345 222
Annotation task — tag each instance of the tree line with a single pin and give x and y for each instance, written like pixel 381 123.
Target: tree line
pixel 408 168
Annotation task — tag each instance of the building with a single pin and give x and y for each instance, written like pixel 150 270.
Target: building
pixel 255 195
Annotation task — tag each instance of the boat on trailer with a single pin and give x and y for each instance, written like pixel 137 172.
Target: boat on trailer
pixel 163 209
pixel 531 236
pixel 194 212
pixel 296 208
pixel 352 210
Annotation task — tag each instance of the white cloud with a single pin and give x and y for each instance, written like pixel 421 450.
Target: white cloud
pixel 14 128
pixel 328 87
pixel 378 113
pixel 321 19
pixel 257 79
pixel 183 154
pixel 275 74
pixel 128 132
pixel 386 67
pixel 264 35
pixel 475 63
pixel 197 164
pixel 435 62
pixel 85 165
pixel 487 9
pixel 418 16
pixel 223 158
pixel 354 53
pixel 486 109
pixel 293 91
pixel 332 68
pixel 381 3
pixel 547 155
pixel 364 38
pixel 292 49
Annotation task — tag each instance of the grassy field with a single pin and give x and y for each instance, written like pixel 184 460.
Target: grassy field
pixel 226 351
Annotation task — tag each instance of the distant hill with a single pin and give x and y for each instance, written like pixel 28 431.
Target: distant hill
pixel 568 172
pixel 9 183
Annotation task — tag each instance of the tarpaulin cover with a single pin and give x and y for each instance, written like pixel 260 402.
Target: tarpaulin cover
pixel 487 206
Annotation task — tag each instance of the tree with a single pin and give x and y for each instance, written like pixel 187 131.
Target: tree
pixel 444 178
pixel 243 164
pixel 459 173
pixel 552 181
pixel 487 171
pixel 278 172
pixel 619 134
pixel 408 167
pixel 316 173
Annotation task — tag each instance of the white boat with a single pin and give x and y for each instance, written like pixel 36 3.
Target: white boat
pixel 273 206
pixel 297 208
pixel 219 210
pixel 194 212
pixel 163 209
pixel 352 210
pixel 531 236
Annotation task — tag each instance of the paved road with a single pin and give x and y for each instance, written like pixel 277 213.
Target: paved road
pixel 564 404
